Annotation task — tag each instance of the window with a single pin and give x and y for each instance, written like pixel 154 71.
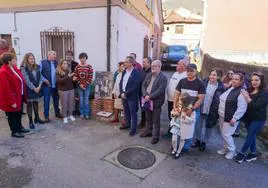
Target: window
pixel 178 49
pixel 167 28
pixel 57 40
pixel 179 29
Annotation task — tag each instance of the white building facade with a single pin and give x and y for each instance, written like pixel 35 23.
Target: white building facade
pixel 81 30
pixel 181 30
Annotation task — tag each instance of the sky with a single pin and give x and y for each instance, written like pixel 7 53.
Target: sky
pixel 194 5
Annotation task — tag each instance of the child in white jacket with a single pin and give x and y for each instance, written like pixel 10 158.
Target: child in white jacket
pixel 182 125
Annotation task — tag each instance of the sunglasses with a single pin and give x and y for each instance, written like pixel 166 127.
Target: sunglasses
pixel 257 74
pixel 190 70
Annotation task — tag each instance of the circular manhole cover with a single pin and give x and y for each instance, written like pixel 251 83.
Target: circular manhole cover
pixel 136 158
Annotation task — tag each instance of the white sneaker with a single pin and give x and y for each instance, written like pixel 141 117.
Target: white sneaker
pixel 72 118
pixel 230 155
pixel 65 120
pixel 222 151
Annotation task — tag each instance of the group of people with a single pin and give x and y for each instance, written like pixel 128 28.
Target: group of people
pixel 66 80
pixel 144 87
pixel 194 105
pixel 228 101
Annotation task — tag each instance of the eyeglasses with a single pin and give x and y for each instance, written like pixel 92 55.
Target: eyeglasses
pixel 190 70
pixel 257 74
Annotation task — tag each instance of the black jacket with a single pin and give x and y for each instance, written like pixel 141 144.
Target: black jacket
pixel 257 108
pixel 213 111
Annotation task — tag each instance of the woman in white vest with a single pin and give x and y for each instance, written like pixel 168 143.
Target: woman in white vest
pixel 231 109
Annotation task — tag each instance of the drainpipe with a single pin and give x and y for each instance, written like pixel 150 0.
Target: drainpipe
pixel 109 12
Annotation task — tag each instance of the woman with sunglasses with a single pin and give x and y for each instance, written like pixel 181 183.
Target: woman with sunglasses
pixel 232 107
pixel 227 79
pixel 257 99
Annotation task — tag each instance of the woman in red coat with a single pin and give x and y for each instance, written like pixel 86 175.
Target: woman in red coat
pixel 12 94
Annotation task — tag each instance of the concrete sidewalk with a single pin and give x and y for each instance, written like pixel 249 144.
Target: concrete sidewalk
pixel 56 155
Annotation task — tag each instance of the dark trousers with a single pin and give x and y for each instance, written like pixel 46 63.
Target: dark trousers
pixel 48 91
pixel 253 128
pixel 32 106
pixel 130 113
pixel 153 122
pixel 14 121
pixel 76 96
pixel 143 117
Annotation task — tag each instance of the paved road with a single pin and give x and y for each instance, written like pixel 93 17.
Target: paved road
pixel 56 155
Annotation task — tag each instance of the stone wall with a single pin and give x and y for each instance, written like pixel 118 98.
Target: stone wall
pixel 210 62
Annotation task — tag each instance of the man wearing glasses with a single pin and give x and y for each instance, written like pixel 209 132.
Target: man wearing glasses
pixel 153 92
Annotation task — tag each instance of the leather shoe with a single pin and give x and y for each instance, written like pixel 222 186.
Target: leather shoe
pixel 236 135
pixel 146 134
pixel 47 120
pixel 38 120
pixel 154 140
pixel 141 125
pixel 132 133
pixel 202 146
pixel 196 144
pixel 59 116
pixel 114 121
pixel 23 130
pixel 124 127
pixel 32 126
pixel 17 135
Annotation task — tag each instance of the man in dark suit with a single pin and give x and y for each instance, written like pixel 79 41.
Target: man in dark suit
pixel 153 91
pixel 129 93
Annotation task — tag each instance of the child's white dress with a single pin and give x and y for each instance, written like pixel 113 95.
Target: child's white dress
pixel 187 125
pixel 183 126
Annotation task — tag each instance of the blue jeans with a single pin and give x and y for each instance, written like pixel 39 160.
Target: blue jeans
pixel 237 131
pixel 188 142
pixel 253 128
pixel 48 91
pixel 130 113
pixel 84 101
